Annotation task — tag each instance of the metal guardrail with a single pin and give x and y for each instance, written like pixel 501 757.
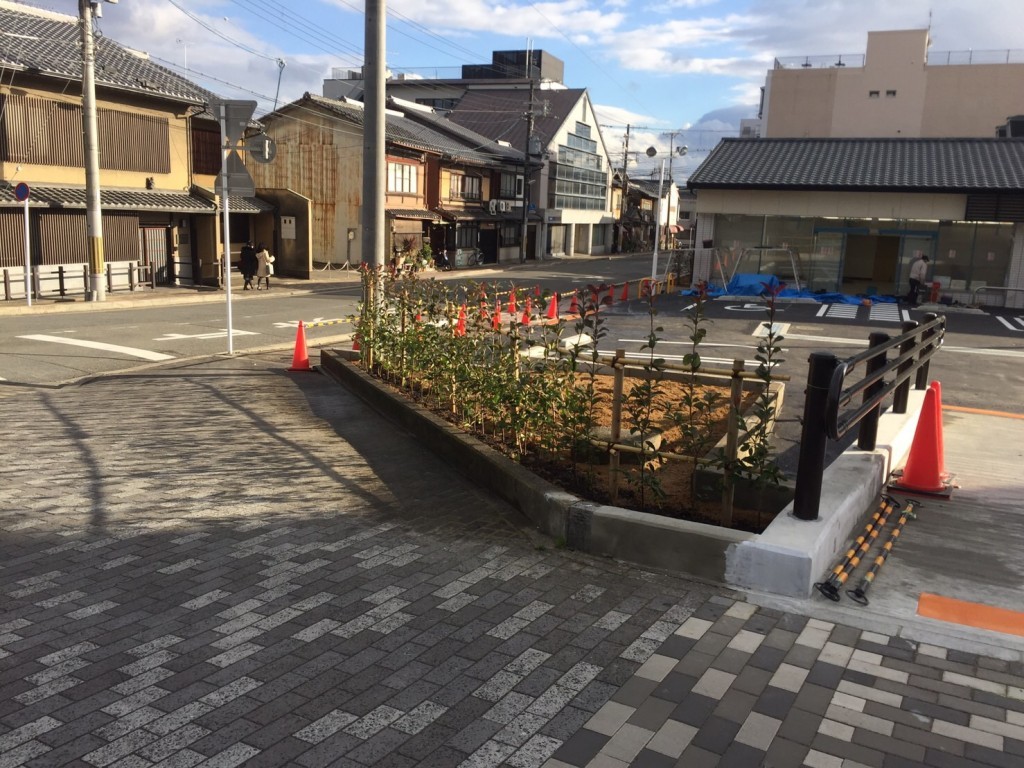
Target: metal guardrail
pixel 828 394
pixel 980 288
pixel 63 281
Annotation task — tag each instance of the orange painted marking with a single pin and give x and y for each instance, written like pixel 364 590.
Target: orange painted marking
pixel 971 614
pixel 982 411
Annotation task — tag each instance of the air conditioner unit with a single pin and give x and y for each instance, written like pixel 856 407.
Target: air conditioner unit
pixel 493 207
pixel 503 206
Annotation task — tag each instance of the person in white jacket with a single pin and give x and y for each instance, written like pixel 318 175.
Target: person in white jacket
pixel 265 268
pixel 918 274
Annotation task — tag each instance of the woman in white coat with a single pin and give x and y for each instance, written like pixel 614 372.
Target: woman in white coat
pixel 265 266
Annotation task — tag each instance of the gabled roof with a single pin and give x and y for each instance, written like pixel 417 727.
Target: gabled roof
pixel 910 165
pixel 423 134
pixel 48 44
pixel 649 187
pixel 462 137
pixel 499 114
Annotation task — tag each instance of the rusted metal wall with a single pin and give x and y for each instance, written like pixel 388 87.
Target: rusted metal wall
pixel 321 159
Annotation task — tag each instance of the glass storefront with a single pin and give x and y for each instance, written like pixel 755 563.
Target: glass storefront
pixel 870 256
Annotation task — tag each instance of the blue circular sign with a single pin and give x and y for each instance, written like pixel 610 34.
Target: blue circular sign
pixel 21 192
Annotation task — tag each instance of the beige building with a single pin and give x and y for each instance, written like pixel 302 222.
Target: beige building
pixel 899 88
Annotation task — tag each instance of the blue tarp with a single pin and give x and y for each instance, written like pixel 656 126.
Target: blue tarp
pixel 756 285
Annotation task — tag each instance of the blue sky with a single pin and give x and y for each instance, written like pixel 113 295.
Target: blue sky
pixel 692 67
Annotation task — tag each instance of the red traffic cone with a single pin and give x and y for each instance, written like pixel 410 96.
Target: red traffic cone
pixel 611 295
pixel 923 471
pixel 942 445
pixel 536 291
pixel 512 302
pixel 300 360
pixel 496 319
pixel 355 343
pixel 460 326
pixel 574 305
pixel 625 292
pixel 527 311
pixel 552 312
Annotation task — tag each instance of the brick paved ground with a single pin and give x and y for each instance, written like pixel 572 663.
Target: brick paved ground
pixel 223 563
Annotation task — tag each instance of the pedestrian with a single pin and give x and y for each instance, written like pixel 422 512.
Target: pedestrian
pixel 247 265
pixel 918 273
pixel 265 268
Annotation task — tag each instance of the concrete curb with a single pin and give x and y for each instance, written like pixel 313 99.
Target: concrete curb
pixel 792 555
pixel 787 559
pixel 649 540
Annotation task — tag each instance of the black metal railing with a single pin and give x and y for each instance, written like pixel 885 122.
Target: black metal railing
pixel 830 409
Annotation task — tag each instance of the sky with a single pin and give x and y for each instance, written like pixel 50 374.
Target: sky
pixel 680 72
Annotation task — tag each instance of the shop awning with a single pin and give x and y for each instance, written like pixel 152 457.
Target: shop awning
pixel 412 213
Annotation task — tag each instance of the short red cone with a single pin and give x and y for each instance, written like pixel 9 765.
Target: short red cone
pixel 496 319
pixel 923 472
pixel 512 302
pixel 300 360
pixel 460 326
pixel 526 313
pixel 625 292
pixel 574 305
pixel 552 312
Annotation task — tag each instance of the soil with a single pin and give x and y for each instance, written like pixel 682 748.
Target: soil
pixel 593 480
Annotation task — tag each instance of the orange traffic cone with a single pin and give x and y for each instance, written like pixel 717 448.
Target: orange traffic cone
pixel 496 319
pixel 611 295
pixel 300 360
pixel 942 445
pixel 355 343
pixel 552 312
pixel 923 472
pixel 460 325
pixel 512 302
pixel 527 311
pixel 625 292
pixel 574 305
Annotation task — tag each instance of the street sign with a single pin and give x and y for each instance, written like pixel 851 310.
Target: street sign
pixel 240 183
pixel 236 115
pixel 21 192
pixel 262 148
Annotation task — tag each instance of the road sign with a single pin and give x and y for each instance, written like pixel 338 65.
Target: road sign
pixel 262 148
pixel 240 183
pixel 21 192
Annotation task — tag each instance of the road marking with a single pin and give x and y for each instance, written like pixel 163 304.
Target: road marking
pixel 842 311
pixel 885 313
pixel 822 310
pixel 982 411
pixel 1008 324
pixel 145 354
pixel 221 334
pixel 970 614
pixel 778 329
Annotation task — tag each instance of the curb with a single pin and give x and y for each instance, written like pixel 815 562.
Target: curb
pixel 648 540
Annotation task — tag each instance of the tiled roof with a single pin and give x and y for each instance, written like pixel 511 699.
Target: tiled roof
pixel 916 165
pixel 499 113
pixel 130 200
pixel 48 43
pixel 462 138
pixel 649 187
pixel 419 134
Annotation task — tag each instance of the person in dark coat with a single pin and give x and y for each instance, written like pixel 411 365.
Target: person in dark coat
pixel 248 265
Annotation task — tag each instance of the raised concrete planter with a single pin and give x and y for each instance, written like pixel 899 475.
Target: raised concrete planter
pixel 792 555
pixel 639 537
pixel 787 559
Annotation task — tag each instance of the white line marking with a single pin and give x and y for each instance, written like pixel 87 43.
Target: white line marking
pixel 779 329
pixel 145 354
pixel 823 310
pixel 222 334
pixel 1007 323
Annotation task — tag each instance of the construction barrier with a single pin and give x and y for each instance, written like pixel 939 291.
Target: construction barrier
pixel 859 594
pixel 841 572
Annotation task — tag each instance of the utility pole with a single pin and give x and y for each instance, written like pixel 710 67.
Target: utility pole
pixel 526 172
pixel 93 215
pixel 624 203
pixel 374 169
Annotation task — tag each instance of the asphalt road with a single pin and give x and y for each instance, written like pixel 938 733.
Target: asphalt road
pixel 980 365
